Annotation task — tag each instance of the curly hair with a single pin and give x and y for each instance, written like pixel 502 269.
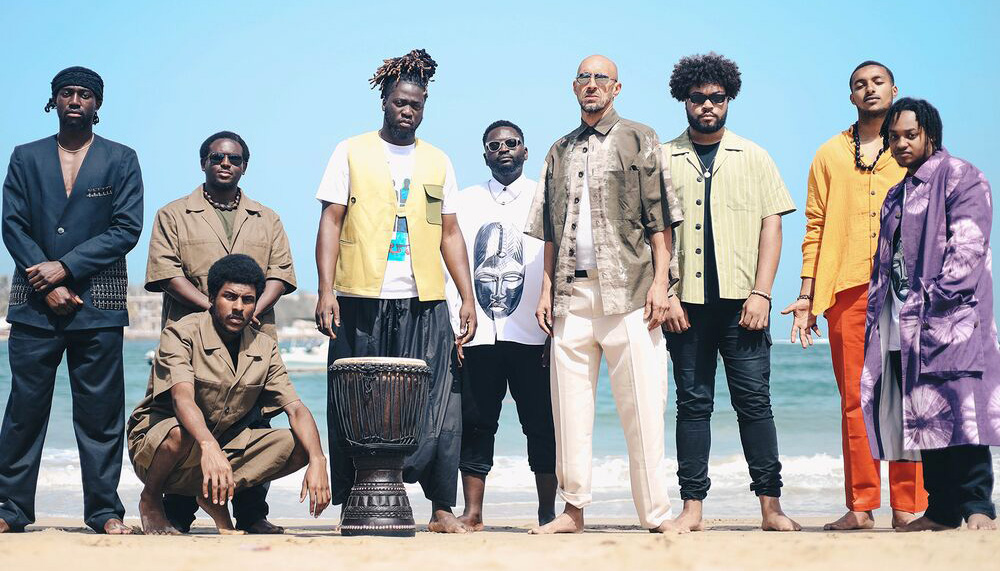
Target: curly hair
pixel 235 269
pixel 416 67
pixel 697 70
pixel 927 117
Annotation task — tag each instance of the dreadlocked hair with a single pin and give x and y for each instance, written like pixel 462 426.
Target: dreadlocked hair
pixel 927 117
pixel 416 67
pixel 692 71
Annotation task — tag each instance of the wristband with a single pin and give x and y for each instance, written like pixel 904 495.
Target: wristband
pixel 804 296
pixel 760 293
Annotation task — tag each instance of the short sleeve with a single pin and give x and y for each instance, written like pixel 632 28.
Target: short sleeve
pixel 164 261
pixel 537 224
pixel 775 198
pixel 278 389
pixel 279 264
pixel 336 184
pixel 172 364
pixel 449 206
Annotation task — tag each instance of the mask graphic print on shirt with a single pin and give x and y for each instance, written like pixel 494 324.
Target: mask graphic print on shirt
pixel 498 269
pixel 399 247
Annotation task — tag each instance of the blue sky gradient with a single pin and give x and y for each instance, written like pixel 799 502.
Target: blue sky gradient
pixel 292 80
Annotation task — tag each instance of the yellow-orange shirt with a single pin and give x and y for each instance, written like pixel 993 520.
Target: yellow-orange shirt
pixel 842 218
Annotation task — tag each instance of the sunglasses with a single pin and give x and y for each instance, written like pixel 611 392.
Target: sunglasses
pixel 494 146
pixel 216 159
pixel 599 78
pixel 716 98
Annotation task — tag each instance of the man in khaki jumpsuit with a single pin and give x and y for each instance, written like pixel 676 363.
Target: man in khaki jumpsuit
pixel 192 233
pixel 189 435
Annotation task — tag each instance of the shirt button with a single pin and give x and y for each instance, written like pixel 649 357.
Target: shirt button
pixel 697 250
pixel 585 149
pixel 60 230
pixel 700 179
pixel 571 251
pixel 573 226
pixel 698 202
pixel 697 226
pixel 576 200
pixel 569 279
pixel 579 174
pixel 353 200
pixel 873 234
pixel 873 215
pixel 697 274
pixel 873 193
pixel 226 410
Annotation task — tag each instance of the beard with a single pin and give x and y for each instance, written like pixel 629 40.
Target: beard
pixel 508 168
pixel 401 133
pixel 228 185
pixel 866 114
pixel 706 129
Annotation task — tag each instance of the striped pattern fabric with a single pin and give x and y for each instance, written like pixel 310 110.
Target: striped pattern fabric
pixel 746 188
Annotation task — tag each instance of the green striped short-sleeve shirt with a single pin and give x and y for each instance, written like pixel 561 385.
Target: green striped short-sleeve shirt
pixel 746 188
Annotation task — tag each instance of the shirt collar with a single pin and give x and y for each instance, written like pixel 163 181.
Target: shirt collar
pixel 603 126
pixel 195 202
pixel 211 340
pixel 927 169
pixel 729 142
pixel 496 187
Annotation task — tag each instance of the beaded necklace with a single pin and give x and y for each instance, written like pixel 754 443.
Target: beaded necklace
pixel 857 151
pixel 227 206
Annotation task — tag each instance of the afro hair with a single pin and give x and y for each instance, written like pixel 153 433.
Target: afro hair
pixel 693 71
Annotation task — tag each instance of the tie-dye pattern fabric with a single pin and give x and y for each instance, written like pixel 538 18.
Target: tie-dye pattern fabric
pixel 951 361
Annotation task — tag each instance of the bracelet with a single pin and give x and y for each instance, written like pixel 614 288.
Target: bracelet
pixel 760 293
pixel 804 296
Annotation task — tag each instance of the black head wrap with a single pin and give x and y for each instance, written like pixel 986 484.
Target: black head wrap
pixel 80 76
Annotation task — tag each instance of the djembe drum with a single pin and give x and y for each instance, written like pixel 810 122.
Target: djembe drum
pixel 380 402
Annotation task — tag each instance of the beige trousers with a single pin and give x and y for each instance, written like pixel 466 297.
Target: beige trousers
pixel 637 365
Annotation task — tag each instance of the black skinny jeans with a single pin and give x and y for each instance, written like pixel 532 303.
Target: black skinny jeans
pixel 746 356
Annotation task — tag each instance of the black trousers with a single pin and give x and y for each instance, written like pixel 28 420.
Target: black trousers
pixel 746 355
pixel 413 329
pixel 959 483
pixel 97 382
pixel 249 505
pixel 487 372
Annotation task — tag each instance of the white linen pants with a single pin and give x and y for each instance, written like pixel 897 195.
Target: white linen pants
pixel 637 365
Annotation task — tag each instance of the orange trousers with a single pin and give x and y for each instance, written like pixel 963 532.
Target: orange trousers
pixel 862 482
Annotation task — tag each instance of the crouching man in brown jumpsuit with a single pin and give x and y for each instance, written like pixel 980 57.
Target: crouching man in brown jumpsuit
pixel 189 435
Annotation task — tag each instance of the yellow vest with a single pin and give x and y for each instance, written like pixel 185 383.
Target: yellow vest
pixel 371 217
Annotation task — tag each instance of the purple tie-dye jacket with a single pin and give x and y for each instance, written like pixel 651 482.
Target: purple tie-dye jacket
pixel 950 357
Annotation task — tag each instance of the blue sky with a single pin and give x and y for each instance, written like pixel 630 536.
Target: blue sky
pixel 292 80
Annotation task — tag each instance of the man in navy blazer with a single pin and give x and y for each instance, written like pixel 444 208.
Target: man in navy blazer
pixel 72 209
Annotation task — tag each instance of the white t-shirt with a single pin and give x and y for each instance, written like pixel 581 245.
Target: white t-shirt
pixel 506 264
pixel 335 187
pixel 586 259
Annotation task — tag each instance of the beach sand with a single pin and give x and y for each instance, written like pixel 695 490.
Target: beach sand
pixel 726 544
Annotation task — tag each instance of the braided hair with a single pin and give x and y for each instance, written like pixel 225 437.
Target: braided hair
pixel 416 67
pixel 927 117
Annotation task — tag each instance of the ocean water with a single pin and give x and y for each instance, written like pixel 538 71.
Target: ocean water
pixel 805 403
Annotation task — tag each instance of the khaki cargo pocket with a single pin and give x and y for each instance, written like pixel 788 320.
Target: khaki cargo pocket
pixel 435 198
pixel 951 344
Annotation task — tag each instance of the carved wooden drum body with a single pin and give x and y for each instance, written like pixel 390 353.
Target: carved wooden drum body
pixel 381 403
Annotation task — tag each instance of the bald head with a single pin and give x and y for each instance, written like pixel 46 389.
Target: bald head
pixel 598 64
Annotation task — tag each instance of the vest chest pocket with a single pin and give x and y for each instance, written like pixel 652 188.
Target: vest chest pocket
pixel 435 198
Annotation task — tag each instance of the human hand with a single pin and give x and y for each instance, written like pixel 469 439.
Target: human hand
pixel 543 313
pixel 676 318
pixel 62 301
pixel 467 322
pixel 327 314
pixel 217 484
pixel 316 485
pixel 657 302
pixel 803 322
pixel 755 313
pixel 46 275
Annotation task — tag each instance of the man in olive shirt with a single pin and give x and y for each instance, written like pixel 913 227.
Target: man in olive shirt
pixel 189 435
pixel 604 210
pixel 192 233
pixel 733 199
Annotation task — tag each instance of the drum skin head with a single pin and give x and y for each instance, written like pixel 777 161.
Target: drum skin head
pixel 380 361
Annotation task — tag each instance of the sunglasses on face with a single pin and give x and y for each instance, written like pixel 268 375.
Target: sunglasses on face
pixel 716 98
pixel 494 146
pixel 599 78
pixel 216 159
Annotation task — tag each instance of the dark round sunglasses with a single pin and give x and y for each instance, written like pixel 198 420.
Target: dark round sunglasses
pixel 216 159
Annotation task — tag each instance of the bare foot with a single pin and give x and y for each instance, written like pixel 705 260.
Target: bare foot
pixel 690 518
pixel 901 518
pixel 264 527
pixel 773 519
pixel 854 520
pixel 472 522
pixel 923 524
pixel 443 521
pixel 980 522
pixel 154 520
pixel 669 526
pixel 4 526
pixel 220 515
pixel 566 522
pixel 115 526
